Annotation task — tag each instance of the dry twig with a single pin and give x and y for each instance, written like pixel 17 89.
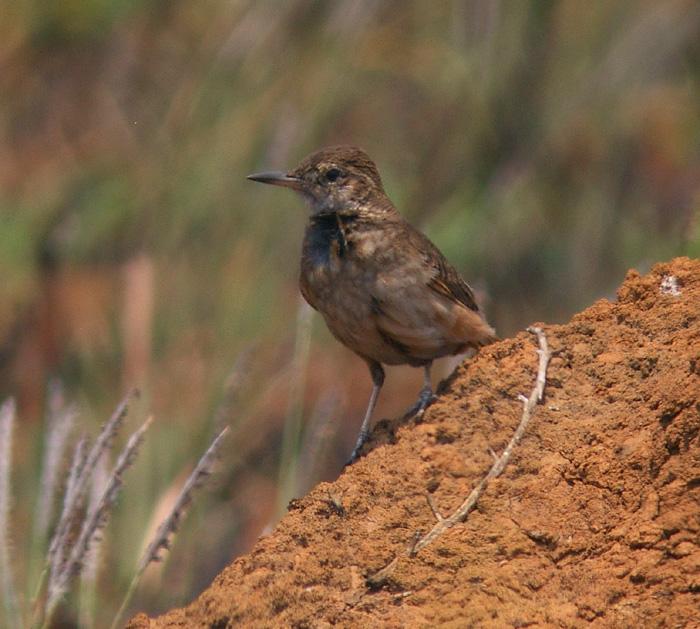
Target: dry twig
pixel 460 514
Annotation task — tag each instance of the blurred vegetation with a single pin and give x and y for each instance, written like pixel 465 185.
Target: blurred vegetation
pixel 545 146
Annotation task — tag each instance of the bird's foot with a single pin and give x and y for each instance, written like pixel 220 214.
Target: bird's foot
pixel 425 398
pixel 361 440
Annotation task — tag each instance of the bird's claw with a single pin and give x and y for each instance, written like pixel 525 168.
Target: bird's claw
pixel 361 440
pixel 425 399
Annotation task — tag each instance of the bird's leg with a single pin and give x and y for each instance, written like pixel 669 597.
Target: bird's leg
pixel 425 397
pixel 377 373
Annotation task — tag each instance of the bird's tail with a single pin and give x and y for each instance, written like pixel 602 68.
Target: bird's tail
pixel 491 338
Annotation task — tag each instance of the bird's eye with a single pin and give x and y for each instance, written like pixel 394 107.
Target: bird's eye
pixel 332 174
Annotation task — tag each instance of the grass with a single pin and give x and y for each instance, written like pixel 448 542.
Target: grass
pixel 87 503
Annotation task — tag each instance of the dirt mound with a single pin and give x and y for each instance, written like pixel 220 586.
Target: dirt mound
pixel 595 520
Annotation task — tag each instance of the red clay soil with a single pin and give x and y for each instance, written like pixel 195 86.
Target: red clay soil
pixel 594 522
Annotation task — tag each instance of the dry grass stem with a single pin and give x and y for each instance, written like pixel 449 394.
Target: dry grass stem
pixel 289 457
pixel 170 524
pixel 9 596
pixel 71 505
pixel 91 563
pixel 168 527
pixel 81 471
pixel 95 521
pixel 317 434
pixel 60 420
pixel 235 382
pixel 104 441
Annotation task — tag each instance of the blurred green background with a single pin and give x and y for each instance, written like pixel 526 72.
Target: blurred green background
pixel 546 147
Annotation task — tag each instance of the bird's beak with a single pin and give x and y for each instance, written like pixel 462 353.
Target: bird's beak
pixel 277 179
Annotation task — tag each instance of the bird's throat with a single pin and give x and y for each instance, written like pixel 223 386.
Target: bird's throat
pixel 327 237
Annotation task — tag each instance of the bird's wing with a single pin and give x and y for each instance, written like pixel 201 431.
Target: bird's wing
pixel 444 279
pixel 448 283
pixel 427 310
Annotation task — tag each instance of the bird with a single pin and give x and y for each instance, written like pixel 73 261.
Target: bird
pixel 383 288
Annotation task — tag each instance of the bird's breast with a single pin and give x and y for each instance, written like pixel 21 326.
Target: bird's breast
pixel 337 278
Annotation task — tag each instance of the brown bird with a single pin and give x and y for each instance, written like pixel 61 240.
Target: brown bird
pixel 384 290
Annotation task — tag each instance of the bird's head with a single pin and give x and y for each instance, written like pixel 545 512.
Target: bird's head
pixel 334 179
